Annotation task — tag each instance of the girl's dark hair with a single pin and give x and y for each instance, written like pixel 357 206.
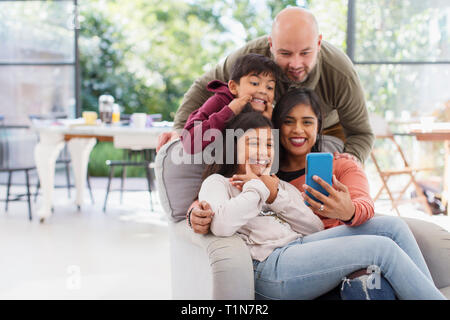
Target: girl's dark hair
pixel 294 98
pixel 247 119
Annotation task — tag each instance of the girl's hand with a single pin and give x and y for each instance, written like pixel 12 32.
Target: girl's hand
pixel 338 204
pixel 238 180
pixel 271 182
pixel 239 103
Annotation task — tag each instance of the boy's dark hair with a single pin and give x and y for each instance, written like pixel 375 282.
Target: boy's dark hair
pixel 256 63
pixel 245 120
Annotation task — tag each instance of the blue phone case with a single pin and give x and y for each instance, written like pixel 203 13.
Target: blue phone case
pixel 318 164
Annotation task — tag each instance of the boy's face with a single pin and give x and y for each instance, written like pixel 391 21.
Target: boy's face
pixel 261 87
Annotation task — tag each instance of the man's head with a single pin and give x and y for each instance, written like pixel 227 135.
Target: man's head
pixel 295 42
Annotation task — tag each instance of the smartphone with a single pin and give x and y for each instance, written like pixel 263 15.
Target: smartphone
pixel 318 164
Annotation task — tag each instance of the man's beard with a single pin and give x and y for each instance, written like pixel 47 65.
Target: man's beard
pixel 305 78
pixel 307 72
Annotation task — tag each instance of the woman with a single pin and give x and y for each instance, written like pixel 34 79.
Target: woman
pixel 313 264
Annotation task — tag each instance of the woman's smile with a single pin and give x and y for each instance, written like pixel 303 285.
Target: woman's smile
pixel 297 141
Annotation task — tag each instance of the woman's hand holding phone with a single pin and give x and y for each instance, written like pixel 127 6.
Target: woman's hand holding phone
pixel 337 205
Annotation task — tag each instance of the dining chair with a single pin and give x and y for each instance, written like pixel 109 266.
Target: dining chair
pixel 383 134
pixel 14 142
pixel 133 158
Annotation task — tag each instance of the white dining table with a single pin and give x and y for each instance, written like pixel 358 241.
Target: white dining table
pixel 80 140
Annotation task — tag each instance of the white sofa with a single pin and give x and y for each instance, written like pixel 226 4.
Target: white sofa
pixel 210 267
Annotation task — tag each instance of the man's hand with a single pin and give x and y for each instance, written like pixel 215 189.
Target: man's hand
pixel 201 217
pixel 165 137
pixel 348 156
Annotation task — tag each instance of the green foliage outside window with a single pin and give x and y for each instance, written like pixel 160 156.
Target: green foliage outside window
pixel 148 53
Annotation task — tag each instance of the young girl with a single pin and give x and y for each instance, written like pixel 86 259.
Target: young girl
pixel 267 213
pixel 252 85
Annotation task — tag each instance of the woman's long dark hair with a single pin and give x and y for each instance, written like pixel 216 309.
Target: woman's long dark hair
pixel 247 119
pixel 288 101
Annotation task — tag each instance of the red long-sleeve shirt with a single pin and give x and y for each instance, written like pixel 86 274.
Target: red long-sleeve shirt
pixel 213 114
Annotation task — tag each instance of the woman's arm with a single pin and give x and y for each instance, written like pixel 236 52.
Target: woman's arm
pixel 231 213
pixel 353 176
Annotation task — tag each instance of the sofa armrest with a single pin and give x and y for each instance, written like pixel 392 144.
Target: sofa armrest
pixel 434 243
pixel 228 262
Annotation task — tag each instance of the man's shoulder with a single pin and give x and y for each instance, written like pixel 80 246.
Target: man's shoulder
pixel 335 61
pixel 259 45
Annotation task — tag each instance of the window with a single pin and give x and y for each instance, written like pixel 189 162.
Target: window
pixel 401 50
pixel 38 60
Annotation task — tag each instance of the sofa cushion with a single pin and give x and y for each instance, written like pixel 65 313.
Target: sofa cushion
pixel 434 242
pixel 178 179
pixel 446 292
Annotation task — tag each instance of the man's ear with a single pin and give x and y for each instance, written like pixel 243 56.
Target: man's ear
pixel 232 85
pixel 269 39
pixel 319 42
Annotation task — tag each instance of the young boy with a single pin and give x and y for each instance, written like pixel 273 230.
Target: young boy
pixel 252 85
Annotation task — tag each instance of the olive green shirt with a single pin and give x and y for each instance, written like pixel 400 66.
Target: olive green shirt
pixel 334 79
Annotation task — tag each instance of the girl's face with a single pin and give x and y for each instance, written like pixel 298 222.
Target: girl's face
pixel 299 130
pixel 261 87
pixel 256 147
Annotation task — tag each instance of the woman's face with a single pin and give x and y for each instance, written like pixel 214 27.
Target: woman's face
pixel 256 147
pixel 299 130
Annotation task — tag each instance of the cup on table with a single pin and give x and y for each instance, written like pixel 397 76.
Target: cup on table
pixel 90 117
pixel 138 120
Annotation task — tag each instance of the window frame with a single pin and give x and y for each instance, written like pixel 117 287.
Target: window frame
pixel 75 63
pixel 351 42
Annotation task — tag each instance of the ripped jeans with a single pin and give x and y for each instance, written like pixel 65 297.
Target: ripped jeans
pixel 313 265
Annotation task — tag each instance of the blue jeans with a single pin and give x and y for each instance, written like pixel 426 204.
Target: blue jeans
pixel 367 287
pixel 313 265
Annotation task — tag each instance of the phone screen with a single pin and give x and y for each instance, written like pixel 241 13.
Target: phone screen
pixel 318 164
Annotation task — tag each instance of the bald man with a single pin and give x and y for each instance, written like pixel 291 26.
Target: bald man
pixel 296 45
